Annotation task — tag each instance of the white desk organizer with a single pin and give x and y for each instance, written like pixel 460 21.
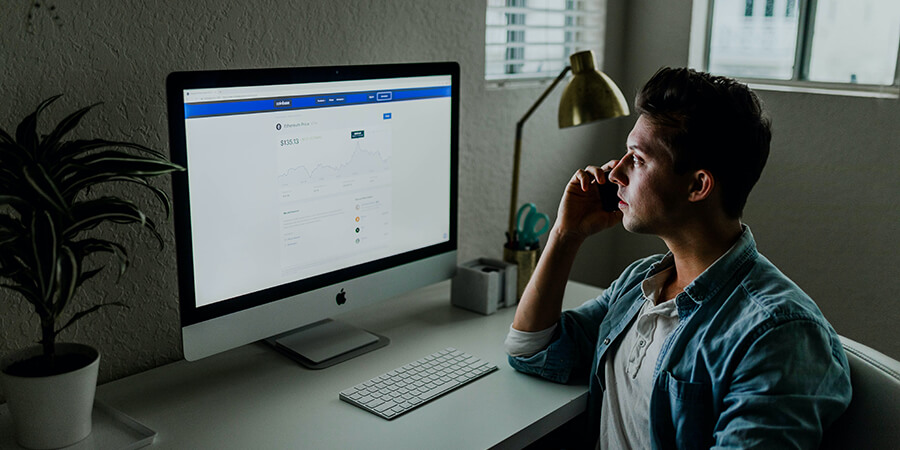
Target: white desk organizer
pixel 484 285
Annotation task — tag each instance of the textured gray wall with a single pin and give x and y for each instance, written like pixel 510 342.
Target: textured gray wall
pixel 120 53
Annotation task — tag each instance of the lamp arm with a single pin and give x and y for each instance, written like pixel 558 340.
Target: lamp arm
pixel 513 198
pixel 543 96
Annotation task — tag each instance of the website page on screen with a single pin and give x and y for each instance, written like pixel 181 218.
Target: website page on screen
pixel 293 181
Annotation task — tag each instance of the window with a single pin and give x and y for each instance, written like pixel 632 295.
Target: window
pixel 823 43
pixel 532 39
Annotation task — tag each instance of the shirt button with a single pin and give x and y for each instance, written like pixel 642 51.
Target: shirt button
pixel 606 341
pixel 641 343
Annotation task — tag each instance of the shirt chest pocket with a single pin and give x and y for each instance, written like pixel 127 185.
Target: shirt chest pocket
pixel 690 411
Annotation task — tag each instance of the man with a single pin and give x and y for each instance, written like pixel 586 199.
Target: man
pixel 706 346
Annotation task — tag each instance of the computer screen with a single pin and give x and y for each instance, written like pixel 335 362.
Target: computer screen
pixel 309 191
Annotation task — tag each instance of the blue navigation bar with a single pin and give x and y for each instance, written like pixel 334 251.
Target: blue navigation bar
pixel 311 101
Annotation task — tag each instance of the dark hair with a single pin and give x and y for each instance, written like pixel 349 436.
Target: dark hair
pixel 709 122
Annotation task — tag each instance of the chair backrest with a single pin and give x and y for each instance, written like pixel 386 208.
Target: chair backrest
pixel 872 421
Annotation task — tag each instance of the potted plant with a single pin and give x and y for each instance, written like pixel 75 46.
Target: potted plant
pixel 51 201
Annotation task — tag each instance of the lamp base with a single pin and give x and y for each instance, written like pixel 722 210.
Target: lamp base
pixel 526 261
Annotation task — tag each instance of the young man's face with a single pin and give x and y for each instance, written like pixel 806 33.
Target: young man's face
pixel 654 196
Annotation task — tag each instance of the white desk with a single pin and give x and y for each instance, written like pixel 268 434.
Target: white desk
pixel 253 397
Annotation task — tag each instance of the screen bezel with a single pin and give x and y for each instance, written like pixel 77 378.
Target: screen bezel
pixel 178 82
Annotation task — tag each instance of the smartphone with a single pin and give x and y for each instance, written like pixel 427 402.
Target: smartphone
pixel 609 194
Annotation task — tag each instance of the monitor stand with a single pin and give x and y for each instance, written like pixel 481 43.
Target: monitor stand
pixel 326 343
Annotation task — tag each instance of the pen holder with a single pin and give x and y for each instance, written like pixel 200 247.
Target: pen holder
pixel 526 260
pixel 484 285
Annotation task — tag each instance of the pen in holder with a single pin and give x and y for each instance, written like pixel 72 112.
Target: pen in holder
pixel 526 260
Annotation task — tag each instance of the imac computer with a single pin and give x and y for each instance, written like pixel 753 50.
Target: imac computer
pixel 309 191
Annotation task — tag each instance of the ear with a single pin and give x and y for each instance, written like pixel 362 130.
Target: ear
pixel 702 185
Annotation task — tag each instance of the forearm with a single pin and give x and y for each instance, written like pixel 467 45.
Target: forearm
pixel 541 302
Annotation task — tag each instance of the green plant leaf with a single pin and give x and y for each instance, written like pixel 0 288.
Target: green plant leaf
pixel 9 223
pixel 30 296
pixel 8 271
pixel 68 267
pixel 5 138
pixel 104 167
pixel 89 214
pixel 23 281
pixel 44 247
pixel 12 153
pixel 14 243
pixel 81 314
pixel 23 267
pixel 14 185
pixel 26 132
pixel 161 195
pixel 7 237
pixel 71 149
pixel 121 163
pixel 8 178
pixel 45 187
pixel 108 166
pixel 89 246
pixel 13 200
pixel 87 275
pixel 63 127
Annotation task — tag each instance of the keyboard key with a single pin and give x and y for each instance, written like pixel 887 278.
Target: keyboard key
pixel 437 390
pixel 385 406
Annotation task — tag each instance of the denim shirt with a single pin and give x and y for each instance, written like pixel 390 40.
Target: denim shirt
pixel 753 362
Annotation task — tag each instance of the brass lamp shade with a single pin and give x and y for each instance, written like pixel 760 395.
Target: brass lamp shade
pixel 590 94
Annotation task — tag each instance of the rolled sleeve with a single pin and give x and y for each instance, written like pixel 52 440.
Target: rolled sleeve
pixel 527 343
pixel 571 350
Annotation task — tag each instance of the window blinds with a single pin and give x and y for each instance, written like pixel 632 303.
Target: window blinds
pixel 532 39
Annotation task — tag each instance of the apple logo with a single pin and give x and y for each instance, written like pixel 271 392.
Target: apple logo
pixel 341 297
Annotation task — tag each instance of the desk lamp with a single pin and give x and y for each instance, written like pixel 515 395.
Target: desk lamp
pixel 590 96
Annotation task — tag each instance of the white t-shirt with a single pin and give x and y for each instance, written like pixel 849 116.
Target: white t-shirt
pixel 628 374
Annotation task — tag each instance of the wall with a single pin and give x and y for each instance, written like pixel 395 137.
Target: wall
pixel 120 53
pixel 826 210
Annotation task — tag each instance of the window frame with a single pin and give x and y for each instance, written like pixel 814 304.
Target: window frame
pixel 701 35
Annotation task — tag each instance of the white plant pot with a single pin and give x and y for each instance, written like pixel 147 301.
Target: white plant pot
pixel 53 411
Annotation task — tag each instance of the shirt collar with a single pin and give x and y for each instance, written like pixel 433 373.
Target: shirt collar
pixel 653 285
pixel 711 280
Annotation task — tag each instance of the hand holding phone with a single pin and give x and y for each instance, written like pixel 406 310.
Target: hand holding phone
pixel 609 194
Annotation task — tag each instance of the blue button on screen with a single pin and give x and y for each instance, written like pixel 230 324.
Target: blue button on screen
pixel 387 116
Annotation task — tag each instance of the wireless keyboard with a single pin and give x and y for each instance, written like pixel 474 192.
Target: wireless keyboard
pixel 408 387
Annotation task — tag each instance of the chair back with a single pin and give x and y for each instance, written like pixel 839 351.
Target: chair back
pixel 872 421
